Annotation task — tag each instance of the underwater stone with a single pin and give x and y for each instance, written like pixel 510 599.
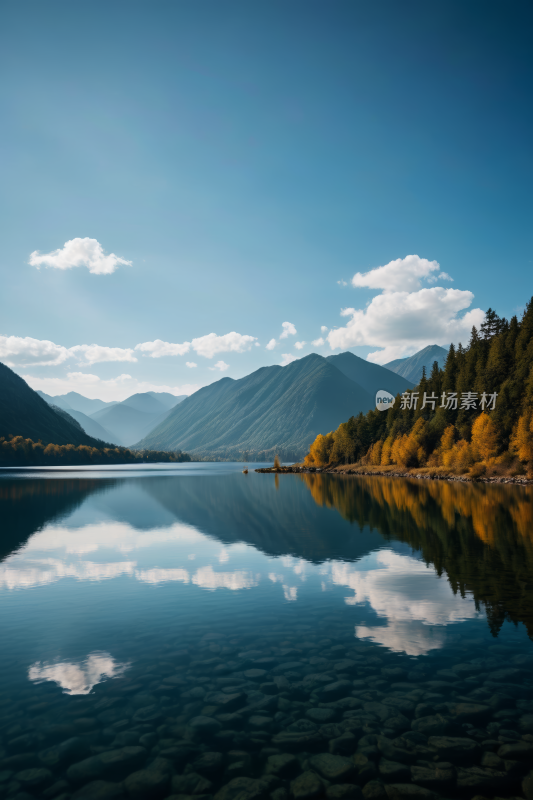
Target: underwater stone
pixel 99 790
pixel 527 786
pixel 307 786
pixel 244 789
pixel 192 783
pixel 151 782
pixel 393 770
pixel 519 751
pixel 320 715
pixel 109 764
pixel 332 767
pixel 344 791
pixel 34 778
pixel 205 724
pixel 336 690
pixel 431 725
pixel 409 791
pixel 343 745
pixel 479 779
pixel 455 748
pixel 283 764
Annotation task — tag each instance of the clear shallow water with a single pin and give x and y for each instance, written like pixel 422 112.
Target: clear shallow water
pixel 167 631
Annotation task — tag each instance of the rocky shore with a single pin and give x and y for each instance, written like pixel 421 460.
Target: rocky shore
pixel 517 479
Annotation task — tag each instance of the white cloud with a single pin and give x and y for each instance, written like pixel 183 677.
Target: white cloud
pixel 402 274
pixel 324 328
pixel 190 364
pixel 220 365
pixel 404 317
pixel 158 348
pixel 94 387
pixel 94 353
pixel 287 358
pixel 318 342
pixel 207 346
pixel 211 344
pixel 288 330
pixel 442 275
pixel 342 283
pixel 271 345
pixel 299 345
pixel 31 352
pixel 79 253
pixel 15 350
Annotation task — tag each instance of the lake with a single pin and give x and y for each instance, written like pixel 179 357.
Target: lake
pixel 191 631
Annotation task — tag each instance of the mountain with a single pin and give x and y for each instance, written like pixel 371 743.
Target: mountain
pixel 76 401
pixel 167 399
pixel 371 376
pixel 127 424
pixel 145 401
pixel 58 401
pixel 24 413
pixel 274 408
pixel 411 368
pixel 92 427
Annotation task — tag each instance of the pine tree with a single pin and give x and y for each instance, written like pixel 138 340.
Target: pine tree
pixel 491 324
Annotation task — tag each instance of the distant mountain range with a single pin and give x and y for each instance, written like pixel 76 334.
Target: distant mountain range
pixel 118 423
pixel 411 368
pixel 24 413
pixel 76 402
pixel 274 408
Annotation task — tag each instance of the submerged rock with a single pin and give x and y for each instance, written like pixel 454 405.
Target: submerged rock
pixel 283 764
pixel 99 790
pixel 344 791
pixel 455 748
pixel 306 786
pixel 244 789
pixel 109 764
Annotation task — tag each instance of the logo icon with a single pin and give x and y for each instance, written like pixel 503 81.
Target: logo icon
pixel 384 400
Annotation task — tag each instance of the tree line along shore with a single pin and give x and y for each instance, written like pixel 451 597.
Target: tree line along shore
pixel 18 451
pixel 477 425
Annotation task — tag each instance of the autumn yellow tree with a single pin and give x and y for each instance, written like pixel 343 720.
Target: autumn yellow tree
pixel 446 446
pixel 377 449
pixel 320 450
pixel 386 451
pixel 484 438
pixel 522 438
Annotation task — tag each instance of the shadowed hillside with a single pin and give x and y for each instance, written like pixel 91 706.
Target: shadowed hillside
pixel 24 413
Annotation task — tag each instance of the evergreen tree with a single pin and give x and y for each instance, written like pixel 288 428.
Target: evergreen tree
pixel 491 324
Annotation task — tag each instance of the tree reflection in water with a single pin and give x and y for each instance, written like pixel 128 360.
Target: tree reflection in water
pixel 480 535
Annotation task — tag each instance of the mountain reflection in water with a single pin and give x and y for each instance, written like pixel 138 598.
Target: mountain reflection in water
pixel 476 537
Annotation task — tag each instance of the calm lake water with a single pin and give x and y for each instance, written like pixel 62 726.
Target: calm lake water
pixel 192 631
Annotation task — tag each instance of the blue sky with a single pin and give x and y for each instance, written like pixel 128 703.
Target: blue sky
pixel 246 158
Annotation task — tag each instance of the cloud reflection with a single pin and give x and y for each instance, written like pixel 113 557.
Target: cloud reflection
pixel 406 593
pixel 78 678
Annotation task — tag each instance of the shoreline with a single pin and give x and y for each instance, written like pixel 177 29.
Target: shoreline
pixel 517 479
